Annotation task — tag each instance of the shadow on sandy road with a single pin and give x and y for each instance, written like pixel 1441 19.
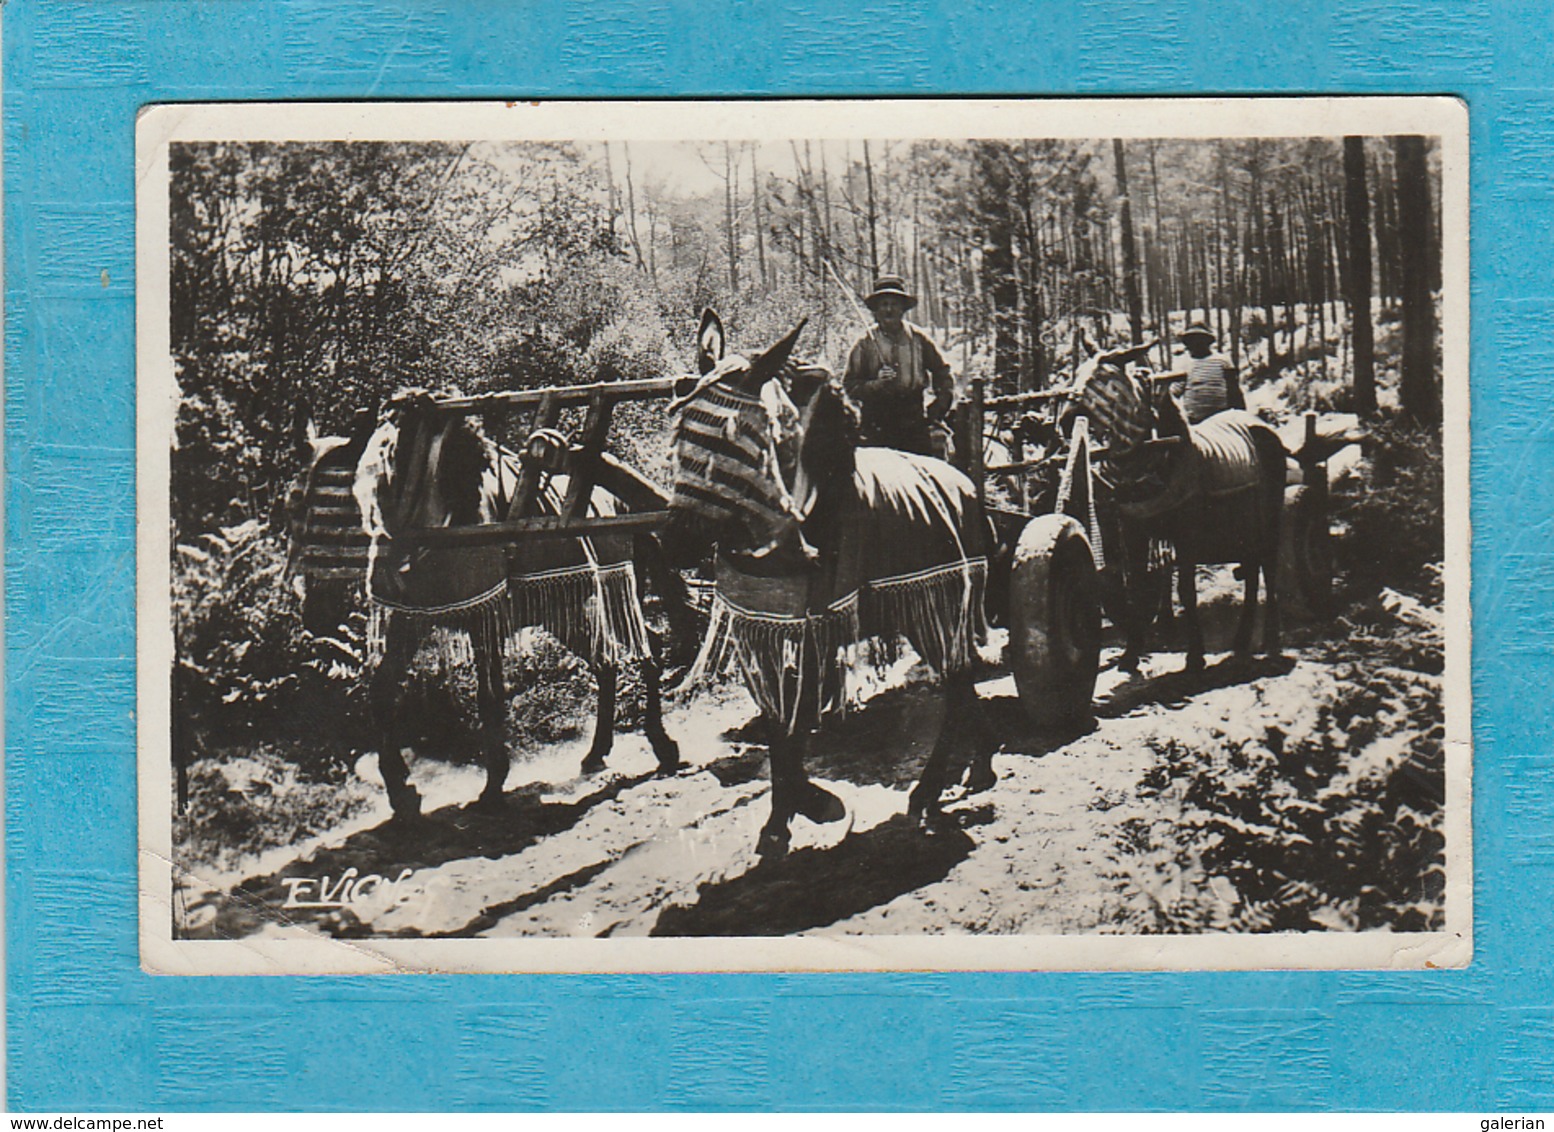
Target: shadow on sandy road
pixel 1174 689
pixel 813 888
pixel 1017 736
pixel 452 833
pixel 884 742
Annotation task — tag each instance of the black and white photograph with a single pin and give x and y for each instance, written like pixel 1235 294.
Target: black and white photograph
pixel 925 535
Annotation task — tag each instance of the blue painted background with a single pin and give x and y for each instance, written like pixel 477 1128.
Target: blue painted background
pixel 86 1029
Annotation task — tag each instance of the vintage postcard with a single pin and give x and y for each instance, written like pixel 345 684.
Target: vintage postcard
pixel 804 535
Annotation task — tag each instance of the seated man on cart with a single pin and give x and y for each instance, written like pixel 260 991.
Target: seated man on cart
pixel 891 369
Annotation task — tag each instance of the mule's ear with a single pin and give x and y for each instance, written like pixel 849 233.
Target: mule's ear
pixel 769 363
pixel 1132 353
pixel 304 431
pixel 710 343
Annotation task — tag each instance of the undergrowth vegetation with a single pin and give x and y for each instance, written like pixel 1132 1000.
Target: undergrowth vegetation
pixel 1336 829
pixel 247 800
pixel 1391 514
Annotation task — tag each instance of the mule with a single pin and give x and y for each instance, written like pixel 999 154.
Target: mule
pixel 826 552
pixel 425 468
pixel 1213 492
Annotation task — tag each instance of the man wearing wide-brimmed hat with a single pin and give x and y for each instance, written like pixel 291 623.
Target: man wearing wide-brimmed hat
pixel 890 371
pixel 1211 385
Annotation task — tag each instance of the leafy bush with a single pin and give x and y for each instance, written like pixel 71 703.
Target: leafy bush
pixel 234 622
pixel 1392 512
pixel 243 660
pixel 242 803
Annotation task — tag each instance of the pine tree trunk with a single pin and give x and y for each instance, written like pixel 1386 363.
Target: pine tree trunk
pixel 1358 276
pixel 1130 253
pixel 730 233
pixel 1387 253
pixel 631 207
pixel 1418 391
pixel 994 205
pixel 872 214
pixel 760 236
pixel 1227 312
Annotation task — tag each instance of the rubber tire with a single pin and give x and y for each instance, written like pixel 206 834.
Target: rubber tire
pixel 1054 621
pixel 1306 554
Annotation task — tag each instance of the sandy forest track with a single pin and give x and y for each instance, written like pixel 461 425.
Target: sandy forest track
pixel 1239 799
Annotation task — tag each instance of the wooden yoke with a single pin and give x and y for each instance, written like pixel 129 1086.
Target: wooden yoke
pixel 586 462
pixel 583 460
pixel 975 458
pixel 522 503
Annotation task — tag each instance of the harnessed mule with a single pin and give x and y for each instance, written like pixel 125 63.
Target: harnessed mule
pixel 425 468
pixel 826 552
pixel 1213 491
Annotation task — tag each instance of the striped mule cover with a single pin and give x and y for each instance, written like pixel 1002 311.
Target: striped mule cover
pixel 726 464
pixel 1119 412
pixel 327 538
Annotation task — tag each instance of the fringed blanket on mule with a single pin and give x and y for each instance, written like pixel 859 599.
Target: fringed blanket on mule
pixel 902 554
pixel 582 591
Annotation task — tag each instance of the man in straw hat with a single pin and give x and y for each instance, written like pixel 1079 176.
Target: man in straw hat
pixel 890 370
pixel 1211 385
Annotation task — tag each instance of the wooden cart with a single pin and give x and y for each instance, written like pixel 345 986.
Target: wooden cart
pixel 1050 602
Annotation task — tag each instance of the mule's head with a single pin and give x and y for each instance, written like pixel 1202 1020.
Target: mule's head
pixel 420 468
pixel 326 555
pixel 1120 408
pixel 748 463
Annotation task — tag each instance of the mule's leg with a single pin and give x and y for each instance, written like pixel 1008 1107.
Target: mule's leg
pixel 1272 625
pixel 383 695
pixel 1187 594
pixel 1128 606
pixel 665 749
pixel 814 802
pixel 984 738
pixel 783 752
pixel 1250 568
pixel 960 693
pixel 793 793
pixel 491 696
pixel 604 721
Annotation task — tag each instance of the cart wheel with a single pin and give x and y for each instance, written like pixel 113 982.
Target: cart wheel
pixel 1054 621
pixel 1306 552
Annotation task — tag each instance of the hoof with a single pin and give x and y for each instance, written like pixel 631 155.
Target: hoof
pixel 489 801
pixel 980 776
pixel 822 806
pixel 668 755
pixel 932 822
pixel 1128 664
pixel 773 844
pixel 1194 665
pixel 593 763
pixel 406 804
